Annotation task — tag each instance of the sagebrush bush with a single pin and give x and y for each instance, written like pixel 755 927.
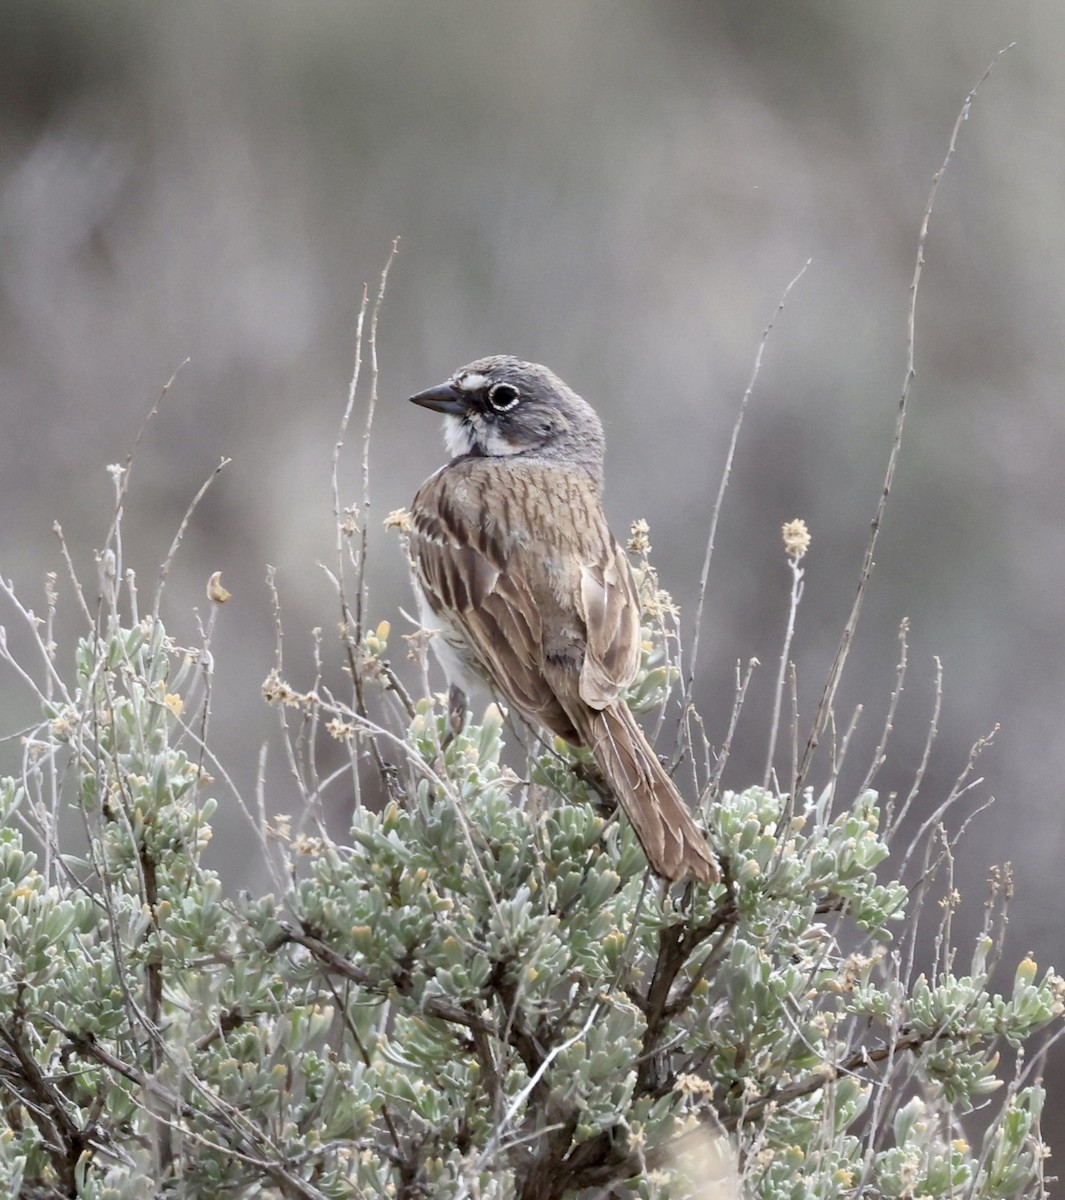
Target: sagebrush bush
pixel 482 992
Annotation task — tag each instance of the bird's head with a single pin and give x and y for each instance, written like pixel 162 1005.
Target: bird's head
pixel 499 407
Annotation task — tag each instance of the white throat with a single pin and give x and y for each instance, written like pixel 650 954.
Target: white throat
pixel 475 434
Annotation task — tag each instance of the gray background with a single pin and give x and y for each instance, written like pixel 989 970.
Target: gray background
pixel 621 191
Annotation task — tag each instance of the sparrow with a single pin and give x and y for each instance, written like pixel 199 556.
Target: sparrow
pixel 528 591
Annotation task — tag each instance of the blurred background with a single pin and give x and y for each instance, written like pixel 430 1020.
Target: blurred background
pixel 622 192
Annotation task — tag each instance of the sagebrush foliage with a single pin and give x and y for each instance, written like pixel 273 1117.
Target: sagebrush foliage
pixel 481 993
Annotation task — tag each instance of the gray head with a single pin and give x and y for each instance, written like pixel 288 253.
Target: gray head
pixel 499 407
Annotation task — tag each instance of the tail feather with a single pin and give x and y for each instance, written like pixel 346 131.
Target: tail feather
pixel 670 838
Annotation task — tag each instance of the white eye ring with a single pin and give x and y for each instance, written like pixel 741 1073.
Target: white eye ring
pixel 508 397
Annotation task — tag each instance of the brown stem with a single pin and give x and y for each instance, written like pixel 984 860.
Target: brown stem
pixel 828 1074
pixel 675 946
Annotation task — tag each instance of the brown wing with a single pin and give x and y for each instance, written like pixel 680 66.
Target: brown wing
pixel 610 607
pixel 520 561
pixel 468 569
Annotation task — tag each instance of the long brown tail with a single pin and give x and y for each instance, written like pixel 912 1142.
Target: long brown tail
pixel 670 838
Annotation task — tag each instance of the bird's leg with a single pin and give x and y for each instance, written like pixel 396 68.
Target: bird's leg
pixel 457 711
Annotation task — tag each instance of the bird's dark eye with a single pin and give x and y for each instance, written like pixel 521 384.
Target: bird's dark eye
pixel 502 397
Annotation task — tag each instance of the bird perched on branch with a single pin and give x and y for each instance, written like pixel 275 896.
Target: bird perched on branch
pixel 529 591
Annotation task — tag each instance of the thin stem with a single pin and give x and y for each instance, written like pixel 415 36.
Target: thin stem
pixel 778 696
pixel 828 696
pixel 715 515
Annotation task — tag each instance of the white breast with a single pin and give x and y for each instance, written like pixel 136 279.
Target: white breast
pixel 449 646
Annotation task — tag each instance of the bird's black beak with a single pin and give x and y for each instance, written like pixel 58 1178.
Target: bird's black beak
pixel 441 399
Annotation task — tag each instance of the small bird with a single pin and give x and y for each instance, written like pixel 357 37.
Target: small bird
pixel 529 591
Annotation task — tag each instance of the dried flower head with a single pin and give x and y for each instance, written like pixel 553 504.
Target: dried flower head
pixel 639 537
pixel 343 731
pixel 349 526
pixel 215 591
pixel 398 518
pixel 796 538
